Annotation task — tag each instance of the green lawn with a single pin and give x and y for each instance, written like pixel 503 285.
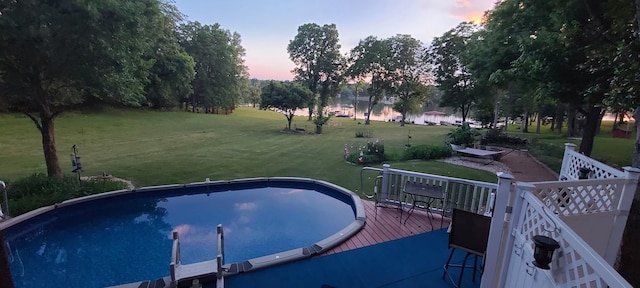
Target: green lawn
pixel 153 148
pixel 615 152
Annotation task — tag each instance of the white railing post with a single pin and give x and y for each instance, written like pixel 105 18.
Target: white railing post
pixel 566 159
pixel 386 174
pixel 494 248
pixel 624 206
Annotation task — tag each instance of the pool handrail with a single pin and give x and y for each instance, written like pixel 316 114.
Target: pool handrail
pixel 175 257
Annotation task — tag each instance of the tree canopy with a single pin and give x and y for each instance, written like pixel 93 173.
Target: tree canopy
pixel 57 56
pixel 319 65
pixel 285 97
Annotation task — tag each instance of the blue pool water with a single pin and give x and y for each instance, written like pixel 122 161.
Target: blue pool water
pixel 127 238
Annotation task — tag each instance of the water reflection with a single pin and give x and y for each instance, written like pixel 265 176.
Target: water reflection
pixel 92 246
pixel 384 112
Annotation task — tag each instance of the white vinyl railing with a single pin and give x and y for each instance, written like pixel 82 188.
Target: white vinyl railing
pixel 469 195
pixel 575 263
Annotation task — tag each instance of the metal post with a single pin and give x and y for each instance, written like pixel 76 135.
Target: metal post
pixel 490 278
pixel 386 174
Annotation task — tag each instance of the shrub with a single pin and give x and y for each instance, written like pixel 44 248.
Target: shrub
pixel 427 152
pixel 38 190
pixel 364 133
pixel 463 135
pixel 371 153
pixel 498 136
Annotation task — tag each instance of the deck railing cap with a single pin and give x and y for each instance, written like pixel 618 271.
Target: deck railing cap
pixel 631 169
pixel 505 175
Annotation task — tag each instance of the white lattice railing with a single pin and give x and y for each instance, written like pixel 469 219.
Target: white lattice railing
pixel 459 193
pixel 575 263
pixel 574 161
pixel 581 196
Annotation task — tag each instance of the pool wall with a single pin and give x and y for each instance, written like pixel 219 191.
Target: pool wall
pixel 205 269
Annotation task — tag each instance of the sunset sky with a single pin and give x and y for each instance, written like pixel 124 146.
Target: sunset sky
pixel 267 27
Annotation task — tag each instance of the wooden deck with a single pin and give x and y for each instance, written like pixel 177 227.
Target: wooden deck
pixel 387 226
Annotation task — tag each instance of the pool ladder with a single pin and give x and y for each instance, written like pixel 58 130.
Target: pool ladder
pixel 175 260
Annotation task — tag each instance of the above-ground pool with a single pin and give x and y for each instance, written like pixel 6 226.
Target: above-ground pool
pixel 125 236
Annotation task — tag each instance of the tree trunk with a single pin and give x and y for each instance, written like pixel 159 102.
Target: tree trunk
pixel 600 121
pixel 49 146
pixel 369 109
pixel 538 124
pixel 571 122
pixel 5 273
pixel 589 132
pixel 559 118
pixel 635 160
pixel 310 113
pixel 524 125
pixel 289 119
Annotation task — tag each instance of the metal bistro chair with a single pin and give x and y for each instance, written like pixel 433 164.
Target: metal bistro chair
pixel 469 233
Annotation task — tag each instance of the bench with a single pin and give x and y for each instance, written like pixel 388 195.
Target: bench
pixel 480 153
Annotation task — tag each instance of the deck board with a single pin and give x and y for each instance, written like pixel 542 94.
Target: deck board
pixel 386 226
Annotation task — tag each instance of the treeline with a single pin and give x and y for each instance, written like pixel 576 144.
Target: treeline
pixel 569 62
pixel 58 56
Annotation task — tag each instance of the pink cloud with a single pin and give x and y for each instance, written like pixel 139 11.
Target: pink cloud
pixel 182 229
pixel 471 10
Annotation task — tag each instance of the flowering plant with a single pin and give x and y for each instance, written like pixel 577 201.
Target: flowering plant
pixel 370 153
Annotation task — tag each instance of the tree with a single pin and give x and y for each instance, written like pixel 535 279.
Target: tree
pixel 254 92
pixel 285 97
pixel 57 56
pixel 407 72
pixel 459 87
pixel 371 59
pixel 220 70
pixel 173 68
pixel 316 53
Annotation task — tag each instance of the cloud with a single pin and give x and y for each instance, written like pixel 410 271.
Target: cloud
pixel 245 206
pixel 470 10
pixel 291 192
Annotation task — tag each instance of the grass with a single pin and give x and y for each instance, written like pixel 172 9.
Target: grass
pixel 548 146
pixel 153 148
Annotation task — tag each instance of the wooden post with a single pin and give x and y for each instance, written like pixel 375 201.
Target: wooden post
pixel 5 272
pixel 493 259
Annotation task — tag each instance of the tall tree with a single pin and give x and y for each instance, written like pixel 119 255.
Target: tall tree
pixel 408 72
pixel 316 53
pixel 220 70
pixel 173 69
pixel 285 97
pixel 371 59
pixel 447 53
pixel 59 55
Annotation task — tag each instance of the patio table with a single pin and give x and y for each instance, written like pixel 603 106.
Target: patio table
pixel 428 194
